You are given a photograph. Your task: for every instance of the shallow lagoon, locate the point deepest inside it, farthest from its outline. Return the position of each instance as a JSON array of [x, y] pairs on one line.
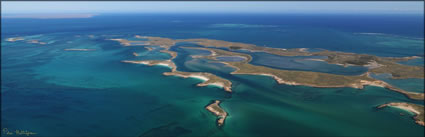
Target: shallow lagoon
[[303, 63], [411, 84], [414, 62], [231, 58]]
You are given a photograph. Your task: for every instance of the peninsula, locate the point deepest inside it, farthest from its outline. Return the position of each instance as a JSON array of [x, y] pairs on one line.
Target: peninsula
[[207, 78]]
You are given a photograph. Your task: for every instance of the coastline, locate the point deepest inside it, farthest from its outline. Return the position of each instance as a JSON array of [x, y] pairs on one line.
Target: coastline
[[207, 78], [135, 54], [79, 49], [149, 48], [14, 39], [357, 82], [218, 112], [33, 41], [360, 85], [417, 110], [200, 77], [216, 84], [305, 78], [210, 79], [164, 63]]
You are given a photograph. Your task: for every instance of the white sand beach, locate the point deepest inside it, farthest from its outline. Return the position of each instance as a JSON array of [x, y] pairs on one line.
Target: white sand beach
[[216, 84], [203, 78], [164, 64]]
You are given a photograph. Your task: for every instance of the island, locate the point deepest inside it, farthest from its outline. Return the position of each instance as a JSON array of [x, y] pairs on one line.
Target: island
[[306, 78], [135, 54], [149, 48], [36, 42], [33, 41], [376, 64], [417, 110], [217, 111], [14, 39], [79, 49], [219, 48], [384, 64]]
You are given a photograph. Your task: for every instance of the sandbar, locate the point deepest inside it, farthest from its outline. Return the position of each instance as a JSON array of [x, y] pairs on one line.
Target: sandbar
[[79, 49]]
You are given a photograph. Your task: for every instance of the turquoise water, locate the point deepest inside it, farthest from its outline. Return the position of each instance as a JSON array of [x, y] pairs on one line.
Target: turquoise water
[[78, 97], [414, 62], [410, 84], [292, 110], [54, 92]]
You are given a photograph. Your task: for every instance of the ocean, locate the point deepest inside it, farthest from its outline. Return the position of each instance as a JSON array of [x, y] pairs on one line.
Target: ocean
[[53, 92]]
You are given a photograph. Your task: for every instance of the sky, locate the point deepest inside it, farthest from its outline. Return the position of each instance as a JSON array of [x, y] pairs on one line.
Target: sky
[[95, 7]]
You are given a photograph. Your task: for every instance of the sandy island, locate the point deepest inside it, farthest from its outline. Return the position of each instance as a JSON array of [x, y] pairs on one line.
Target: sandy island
[[135, 54], [199, 77], [317, 60], [149, 48], [28, 41], [217, 84], [36, 42], [14, 39], [79, 49], [217, 111]]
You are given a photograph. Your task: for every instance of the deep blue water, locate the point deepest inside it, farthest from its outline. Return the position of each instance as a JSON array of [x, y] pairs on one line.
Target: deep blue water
[[54, 92], [333, 32]]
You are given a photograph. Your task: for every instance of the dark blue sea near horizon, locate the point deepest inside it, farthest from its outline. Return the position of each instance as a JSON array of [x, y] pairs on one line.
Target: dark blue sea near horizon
[[53, 92]]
